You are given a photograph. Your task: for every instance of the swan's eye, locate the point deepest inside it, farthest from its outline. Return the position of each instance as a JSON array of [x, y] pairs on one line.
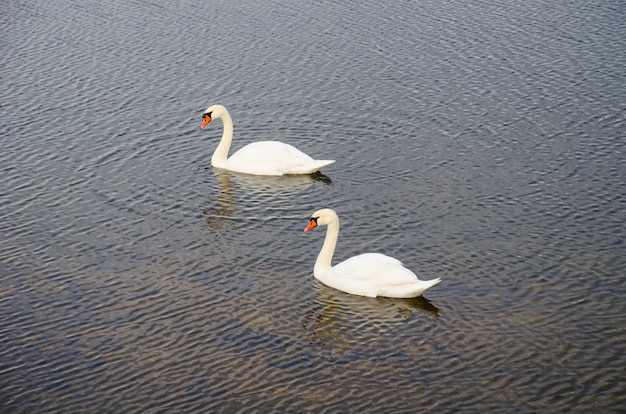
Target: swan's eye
[[208, 114], [314, 220]]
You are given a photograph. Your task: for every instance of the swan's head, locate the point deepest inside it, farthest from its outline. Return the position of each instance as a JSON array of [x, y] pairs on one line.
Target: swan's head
[[322, 217], [212, 112]]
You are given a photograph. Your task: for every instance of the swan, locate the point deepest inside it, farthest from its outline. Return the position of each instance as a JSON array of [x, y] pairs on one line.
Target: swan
[[368, 274], [258, 158]]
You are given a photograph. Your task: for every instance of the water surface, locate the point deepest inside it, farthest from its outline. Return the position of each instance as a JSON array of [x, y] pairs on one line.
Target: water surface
[[479, 142]]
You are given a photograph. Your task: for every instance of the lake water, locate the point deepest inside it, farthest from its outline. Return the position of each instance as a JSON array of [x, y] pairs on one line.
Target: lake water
[[483, 142]]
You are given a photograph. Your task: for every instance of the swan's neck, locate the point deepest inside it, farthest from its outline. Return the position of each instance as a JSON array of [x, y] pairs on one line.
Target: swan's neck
[[324, 260], [221, 152]]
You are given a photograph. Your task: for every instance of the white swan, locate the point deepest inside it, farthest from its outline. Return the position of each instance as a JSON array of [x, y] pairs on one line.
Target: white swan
[[258, 158], [368, 274]]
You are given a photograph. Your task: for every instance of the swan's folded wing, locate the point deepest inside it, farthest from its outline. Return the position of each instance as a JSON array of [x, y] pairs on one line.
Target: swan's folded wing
[[274, 158], [374, 268]]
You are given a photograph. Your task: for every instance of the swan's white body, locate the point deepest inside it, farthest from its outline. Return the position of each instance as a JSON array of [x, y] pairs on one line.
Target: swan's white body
[[259, 158], [368, 274]]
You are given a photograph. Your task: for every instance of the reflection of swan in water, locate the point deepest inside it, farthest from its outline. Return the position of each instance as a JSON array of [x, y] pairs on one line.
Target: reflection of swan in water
[[380, 309], [258, 158], [221, 207], [255, 190], [260, 184], [336, 314]]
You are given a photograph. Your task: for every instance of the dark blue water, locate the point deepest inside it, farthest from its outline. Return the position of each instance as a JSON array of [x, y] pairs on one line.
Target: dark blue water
[[480, 142]]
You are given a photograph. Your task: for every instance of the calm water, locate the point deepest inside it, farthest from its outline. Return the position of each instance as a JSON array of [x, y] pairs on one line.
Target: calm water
[[483, 142]]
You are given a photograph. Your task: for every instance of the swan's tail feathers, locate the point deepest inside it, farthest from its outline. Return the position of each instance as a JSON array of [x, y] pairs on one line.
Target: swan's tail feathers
[[409, 291], [311, 167], [319, 164], [421, 287], [427, 284]]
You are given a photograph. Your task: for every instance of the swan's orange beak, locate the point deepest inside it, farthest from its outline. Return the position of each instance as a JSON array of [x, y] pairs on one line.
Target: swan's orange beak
[[206, 118], [311, 226]]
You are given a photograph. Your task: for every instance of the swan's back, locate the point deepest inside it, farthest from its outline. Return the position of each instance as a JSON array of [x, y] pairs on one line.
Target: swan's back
[[274, 158], [369, 266], [375, 274]]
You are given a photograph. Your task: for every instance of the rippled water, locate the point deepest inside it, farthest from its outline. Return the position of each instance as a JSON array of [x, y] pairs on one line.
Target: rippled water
[[482, 142]]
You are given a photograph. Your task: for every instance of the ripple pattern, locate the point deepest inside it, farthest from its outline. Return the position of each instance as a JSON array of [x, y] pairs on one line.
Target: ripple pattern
[[481, 142]]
